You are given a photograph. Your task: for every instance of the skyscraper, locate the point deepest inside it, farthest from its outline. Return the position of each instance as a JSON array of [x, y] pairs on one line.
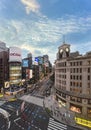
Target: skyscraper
[[4, 68]]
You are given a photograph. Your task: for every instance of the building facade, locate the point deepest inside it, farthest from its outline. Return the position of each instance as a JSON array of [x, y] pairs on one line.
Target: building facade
[[73, 80], [4, 67], [15, 66], [27, 67]]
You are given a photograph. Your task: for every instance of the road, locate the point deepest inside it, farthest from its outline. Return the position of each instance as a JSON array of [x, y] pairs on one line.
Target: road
[[32, 117]]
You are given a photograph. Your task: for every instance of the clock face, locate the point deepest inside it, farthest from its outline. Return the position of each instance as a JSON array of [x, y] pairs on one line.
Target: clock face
[[67, 49], [61, 50]]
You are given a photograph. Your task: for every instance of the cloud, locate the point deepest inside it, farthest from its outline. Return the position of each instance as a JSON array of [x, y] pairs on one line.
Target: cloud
[[44, 34], [26, 46], [31, 6]]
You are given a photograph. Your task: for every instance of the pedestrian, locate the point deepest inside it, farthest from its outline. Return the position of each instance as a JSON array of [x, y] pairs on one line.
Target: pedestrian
[[29, 127]]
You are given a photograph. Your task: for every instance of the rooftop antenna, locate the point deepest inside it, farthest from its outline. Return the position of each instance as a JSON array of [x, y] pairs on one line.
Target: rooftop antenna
[[63, 39]]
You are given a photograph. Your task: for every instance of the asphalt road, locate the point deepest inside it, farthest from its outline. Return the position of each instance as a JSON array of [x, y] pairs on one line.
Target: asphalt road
[[3, 122], [32, 118]]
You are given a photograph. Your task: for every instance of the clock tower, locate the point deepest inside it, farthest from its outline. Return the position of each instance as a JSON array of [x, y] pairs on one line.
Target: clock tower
[[64, 51]]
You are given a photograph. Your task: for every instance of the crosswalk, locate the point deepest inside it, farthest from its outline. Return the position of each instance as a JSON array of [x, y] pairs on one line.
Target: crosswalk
[[54, 125]]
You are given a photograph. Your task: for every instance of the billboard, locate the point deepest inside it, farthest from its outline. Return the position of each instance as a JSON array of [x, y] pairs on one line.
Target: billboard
[[29, 74], [6, 84], [83, 122], [15, 54], [36, 60], [24, 63]]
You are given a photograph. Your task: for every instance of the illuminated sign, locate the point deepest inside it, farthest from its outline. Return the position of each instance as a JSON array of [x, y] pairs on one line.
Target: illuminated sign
[[83, 122], [6, 84], [39, 60], [15, 54], [25, 63], [36, 59]]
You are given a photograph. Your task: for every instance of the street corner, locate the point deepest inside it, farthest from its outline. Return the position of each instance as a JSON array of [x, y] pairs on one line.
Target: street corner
[[1, 95]]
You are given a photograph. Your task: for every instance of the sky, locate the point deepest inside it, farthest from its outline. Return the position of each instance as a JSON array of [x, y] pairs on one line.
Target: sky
[[38, 26]]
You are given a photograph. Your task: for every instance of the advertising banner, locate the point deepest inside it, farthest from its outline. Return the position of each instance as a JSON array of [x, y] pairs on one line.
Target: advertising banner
[[25, 63], [15, 54], [6, 84]]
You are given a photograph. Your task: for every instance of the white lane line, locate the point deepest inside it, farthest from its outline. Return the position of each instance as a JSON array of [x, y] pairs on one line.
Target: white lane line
[[17, 119], [55, 124], [52, 128]]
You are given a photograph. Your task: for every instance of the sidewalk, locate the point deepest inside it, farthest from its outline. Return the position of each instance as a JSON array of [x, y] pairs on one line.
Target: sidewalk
[[60, 113], [7, 97]]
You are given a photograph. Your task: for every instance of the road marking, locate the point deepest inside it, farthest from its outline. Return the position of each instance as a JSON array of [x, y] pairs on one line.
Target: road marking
[[17, 119], [9, 124], [54, 125]]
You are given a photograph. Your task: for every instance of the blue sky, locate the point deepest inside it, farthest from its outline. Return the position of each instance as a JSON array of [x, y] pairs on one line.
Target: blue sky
[[38, 26]]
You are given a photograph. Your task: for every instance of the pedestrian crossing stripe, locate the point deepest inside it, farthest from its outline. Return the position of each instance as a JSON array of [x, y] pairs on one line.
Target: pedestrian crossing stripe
[[52, 120], [58, 123], [57, 126], [54, 125]]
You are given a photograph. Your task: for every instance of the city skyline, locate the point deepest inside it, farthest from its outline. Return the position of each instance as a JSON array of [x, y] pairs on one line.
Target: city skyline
[[38, 26]]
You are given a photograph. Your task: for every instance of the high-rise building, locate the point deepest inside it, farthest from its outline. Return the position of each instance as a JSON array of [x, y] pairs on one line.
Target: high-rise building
[[15, 68], [4, 68], [46, 58], [27, 67], [73, 80], [29, 57]]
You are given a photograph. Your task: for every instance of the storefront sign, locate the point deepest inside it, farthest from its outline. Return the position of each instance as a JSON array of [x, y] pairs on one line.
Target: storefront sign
[[83, 122]]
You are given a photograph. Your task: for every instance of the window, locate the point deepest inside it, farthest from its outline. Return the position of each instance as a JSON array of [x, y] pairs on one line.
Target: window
[[88, 62], [89, 101], [80, 77], [72, 98], [71, 76], [71, 70], [88, 77], [70, 83], [74, 70], [79, 100], [89, 112], [77, 70], [88, 70], [80, 84], [70, 63], [80, 70], [88, 85], [63, 95], [80, 62]]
